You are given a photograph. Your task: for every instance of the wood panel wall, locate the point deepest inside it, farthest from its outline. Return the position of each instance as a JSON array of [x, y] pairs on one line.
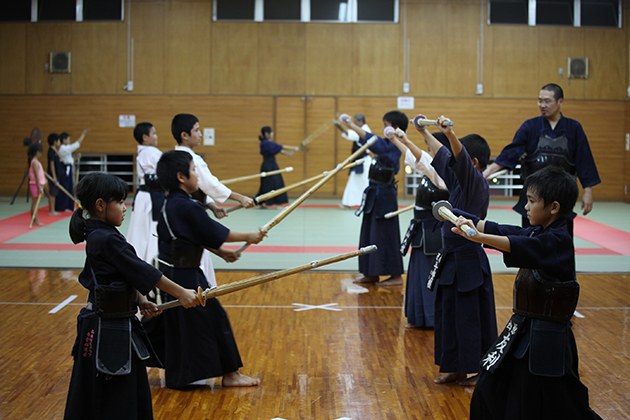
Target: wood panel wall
[[179, 50], [237, 120]]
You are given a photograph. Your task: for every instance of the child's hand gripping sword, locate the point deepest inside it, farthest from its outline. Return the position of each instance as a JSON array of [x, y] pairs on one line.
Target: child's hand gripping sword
[[443, 210]]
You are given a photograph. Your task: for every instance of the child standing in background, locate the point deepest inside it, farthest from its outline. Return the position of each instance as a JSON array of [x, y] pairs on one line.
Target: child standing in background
[[269, 149], [147, 203], [54, 169], [36, 178], [187, 133], [65, 176], [380, 198]]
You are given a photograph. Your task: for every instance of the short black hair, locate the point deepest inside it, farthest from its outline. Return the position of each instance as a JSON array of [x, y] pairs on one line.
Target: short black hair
[[397, 119], [52, 138], [553, 183], [63, 136], [477, 147], [441, 137], [360, 118], [557, 90], [93, 186], [182, 123], [170, 164], [142, 129]]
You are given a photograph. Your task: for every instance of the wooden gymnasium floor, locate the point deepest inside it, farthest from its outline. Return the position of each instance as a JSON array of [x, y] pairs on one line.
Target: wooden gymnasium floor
[[322, 347]]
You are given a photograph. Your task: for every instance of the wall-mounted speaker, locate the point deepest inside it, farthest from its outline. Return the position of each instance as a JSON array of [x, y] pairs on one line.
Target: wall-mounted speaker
[[577, 68], [60, 62]]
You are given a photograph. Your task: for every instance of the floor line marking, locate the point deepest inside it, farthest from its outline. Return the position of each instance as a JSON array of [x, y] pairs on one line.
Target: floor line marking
[[62, 304], [588, 308], [326, 307]]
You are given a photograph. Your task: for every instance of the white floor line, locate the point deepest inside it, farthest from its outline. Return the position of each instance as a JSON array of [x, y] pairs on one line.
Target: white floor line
[[62, 304], [588, 308]]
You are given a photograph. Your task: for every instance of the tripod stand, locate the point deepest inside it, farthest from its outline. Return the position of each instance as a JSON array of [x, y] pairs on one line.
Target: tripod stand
[[20, 187]]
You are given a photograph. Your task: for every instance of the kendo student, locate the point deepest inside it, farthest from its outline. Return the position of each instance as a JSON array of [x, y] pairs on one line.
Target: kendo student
[[380, 198], [531, 371], [550, 139], [187, 133], [147, 203], [465, 314], [424, 234], [109, 377], [358, 179], [199, 344]]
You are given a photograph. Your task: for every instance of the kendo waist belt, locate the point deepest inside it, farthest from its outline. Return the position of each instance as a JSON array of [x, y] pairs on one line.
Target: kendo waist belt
[[151, 183], [381, 175], [115, 300], [537, 295], [184, 255]]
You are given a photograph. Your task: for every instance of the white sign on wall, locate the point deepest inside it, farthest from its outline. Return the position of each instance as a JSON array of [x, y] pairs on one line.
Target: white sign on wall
[[406, 102], [126, 121], [208, 136]]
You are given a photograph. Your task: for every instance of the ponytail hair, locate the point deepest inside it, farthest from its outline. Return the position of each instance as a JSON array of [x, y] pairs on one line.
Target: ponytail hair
[[92, 187], [263, 132], [77, 226]]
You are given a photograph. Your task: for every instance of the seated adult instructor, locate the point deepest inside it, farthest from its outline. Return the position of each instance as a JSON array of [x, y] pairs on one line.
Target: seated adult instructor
[[550, 139]]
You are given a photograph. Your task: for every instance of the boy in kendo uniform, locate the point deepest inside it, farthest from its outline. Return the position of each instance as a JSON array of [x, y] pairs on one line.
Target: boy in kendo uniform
[[424, 234], [465, 313], [531, 371], [380, 198], [149, 198], [199, 344]]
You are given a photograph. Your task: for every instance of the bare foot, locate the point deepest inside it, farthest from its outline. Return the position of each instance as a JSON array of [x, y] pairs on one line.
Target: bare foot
[[38, 223], [472, 381], [449, 377], [54, 213], [392, 281], [411, 327], [343, 206], [366, 280], [238, 379]]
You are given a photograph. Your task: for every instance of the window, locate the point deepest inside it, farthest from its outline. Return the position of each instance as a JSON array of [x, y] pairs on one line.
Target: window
[[376, 11], [307, 10], [15, 11], [102, 10], [282, 10], [601, 13], [60, 10], [234, 9], [330, 10], [56, 10], [554, 12], [509, 11]]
